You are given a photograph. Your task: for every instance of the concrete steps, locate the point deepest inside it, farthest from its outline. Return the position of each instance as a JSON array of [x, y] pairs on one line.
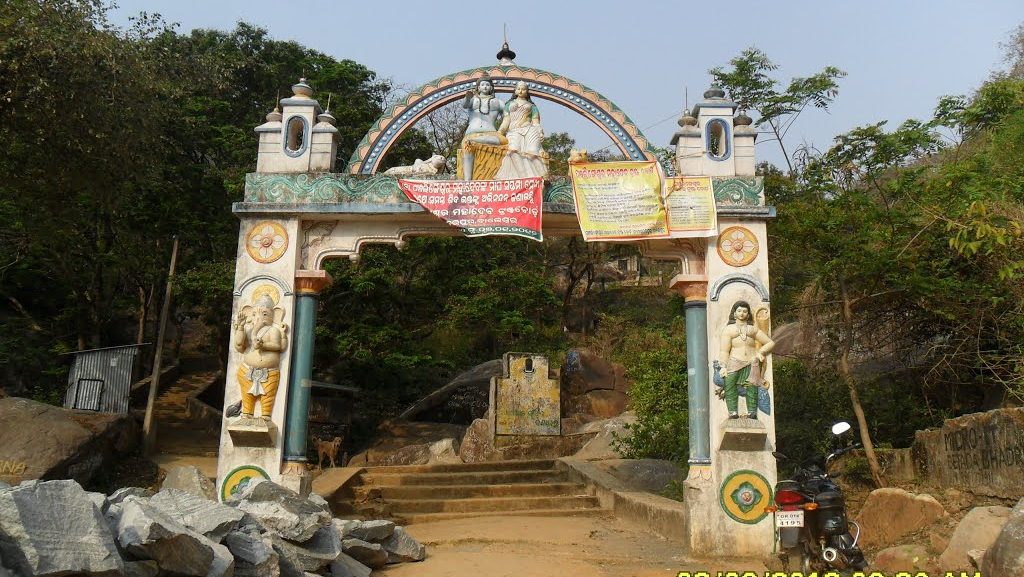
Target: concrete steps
[[421, 493], [492, 504], [429, 517], [405, 492], [176, 431]]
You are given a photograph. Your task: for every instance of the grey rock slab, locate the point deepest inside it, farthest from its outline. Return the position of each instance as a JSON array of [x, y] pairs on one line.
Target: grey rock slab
[[98, 499], [282, 510], [402, 548], [141, 569], [207, 517], [344, 527], [223, 564], [148, 533], [978, 530], [345, 566], [319, 502], [190, 480], [125, 492], [1006, 555], [316, 553], [53, 528], [288, 559], [372, 555], [254, 555], [373, 531]]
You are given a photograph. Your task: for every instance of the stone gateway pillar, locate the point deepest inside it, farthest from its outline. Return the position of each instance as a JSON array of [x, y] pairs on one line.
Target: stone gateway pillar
[[728, 337]]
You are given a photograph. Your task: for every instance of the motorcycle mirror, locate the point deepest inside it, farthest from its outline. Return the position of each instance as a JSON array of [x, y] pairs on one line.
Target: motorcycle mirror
[[840, 428]]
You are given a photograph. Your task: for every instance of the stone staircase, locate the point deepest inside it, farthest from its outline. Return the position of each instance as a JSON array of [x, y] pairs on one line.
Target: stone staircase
[[422, 493], [177, 430]]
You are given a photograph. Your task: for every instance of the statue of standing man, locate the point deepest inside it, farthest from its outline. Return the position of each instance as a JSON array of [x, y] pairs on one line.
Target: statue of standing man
[[742, 353], [485, 114]]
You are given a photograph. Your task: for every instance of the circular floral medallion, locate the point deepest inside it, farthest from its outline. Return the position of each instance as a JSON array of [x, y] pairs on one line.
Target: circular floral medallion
[[737, 246], [266, 241], [237, 479], [744, 495]]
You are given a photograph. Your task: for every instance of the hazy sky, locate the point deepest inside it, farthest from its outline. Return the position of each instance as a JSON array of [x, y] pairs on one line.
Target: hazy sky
[[900, 56]]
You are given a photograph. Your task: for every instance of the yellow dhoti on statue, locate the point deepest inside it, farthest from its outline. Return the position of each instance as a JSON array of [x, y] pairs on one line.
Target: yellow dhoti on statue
[[486, 159], [262, 383]]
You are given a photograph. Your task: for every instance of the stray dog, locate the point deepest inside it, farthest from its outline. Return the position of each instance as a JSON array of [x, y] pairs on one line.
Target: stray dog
[[327, 449]]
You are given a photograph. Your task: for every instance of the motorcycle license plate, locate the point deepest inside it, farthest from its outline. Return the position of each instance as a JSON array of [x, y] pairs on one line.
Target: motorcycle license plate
[[789, 519]]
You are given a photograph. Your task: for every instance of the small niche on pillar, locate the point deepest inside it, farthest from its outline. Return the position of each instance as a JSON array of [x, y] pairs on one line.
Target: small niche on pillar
[[295, 136], [252, 432], [718, 139]]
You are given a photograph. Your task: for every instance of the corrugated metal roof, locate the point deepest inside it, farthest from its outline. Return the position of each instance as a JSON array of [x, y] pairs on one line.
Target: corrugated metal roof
[[105, 349]]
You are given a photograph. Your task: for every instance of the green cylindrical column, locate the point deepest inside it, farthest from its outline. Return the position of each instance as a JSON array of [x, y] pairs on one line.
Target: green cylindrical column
[[307, 288], [694, 291], [698, 382]]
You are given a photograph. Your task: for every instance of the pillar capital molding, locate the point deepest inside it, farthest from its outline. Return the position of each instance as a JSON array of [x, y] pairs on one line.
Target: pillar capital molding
[[692, 287], [311, 281]]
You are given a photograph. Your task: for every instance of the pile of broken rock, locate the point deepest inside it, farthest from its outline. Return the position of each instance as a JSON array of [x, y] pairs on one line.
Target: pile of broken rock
[[58, 528]]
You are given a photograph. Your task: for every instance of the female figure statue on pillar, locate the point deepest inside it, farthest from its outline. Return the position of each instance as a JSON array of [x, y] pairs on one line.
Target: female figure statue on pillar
[[525, 156], [742, 353]]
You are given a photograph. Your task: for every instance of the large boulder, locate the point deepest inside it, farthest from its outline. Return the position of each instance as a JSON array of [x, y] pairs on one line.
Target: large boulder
[[436, 453], [584, 371], [146, 532], [1006, 555], [978, 530], [890, 513], [316, 553], [600, 403], [210, 518], [372, 555], [38, 522], [463, 399], [281, 510], [345, 566], [254, 555], [608, 430], [39, 441], [901, 559], [477, 444], [190, 480], [404, 443], [402, 548], [374, 531]]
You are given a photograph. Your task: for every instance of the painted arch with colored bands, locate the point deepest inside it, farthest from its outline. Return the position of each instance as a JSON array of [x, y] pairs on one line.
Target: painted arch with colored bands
[[587, 102]]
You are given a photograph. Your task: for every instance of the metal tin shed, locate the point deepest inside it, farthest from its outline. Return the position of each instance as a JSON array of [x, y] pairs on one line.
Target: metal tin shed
[[101, 379]]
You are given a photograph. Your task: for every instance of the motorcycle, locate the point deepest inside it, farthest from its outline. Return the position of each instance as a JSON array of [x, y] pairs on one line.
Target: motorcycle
[[813, 533]]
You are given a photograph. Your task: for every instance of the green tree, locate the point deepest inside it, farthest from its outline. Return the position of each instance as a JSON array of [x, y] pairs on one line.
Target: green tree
[[750, 84]]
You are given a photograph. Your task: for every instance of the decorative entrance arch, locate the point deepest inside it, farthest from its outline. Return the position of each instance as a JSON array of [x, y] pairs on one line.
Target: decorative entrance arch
[[298, 212], [543, 84]]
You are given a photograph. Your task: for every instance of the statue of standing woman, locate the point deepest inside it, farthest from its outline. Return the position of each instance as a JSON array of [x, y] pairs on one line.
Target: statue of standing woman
[[485, 113], [742, 353]]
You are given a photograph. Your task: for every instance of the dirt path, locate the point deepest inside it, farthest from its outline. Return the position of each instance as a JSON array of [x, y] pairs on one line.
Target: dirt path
[[510, 546]]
